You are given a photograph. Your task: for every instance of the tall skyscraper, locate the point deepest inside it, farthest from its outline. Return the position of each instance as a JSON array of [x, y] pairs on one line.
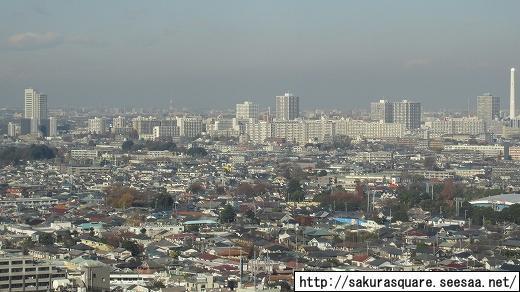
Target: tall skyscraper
[[512, 106], [53, 127], [35, 108], [382, 111], [287, 107], [247, 110], [488, 107], [407, 113], [35, 104]]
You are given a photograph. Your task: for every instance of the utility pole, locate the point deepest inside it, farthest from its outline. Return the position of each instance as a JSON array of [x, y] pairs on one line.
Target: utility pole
[[254, 267]]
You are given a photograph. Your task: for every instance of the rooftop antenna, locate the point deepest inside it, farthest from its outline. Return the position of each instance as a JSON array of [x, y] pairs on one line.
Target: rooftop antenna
[[469, 108]]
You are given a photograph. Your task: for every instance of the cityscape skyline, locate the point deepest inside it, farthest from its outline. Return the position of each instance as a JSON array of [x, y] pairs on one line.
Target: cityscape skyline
[[270, 146], [236, 51]]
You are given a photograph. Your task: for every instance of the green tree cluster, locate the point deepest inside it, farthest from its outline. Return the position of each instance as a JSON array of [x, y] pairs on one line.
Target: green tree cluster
[[32, 152]]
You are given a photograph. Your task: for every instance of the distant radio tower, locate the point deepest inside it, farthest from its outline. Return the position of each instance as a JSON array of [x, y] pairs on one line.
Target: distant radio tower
[[512, 109], [171, 105]]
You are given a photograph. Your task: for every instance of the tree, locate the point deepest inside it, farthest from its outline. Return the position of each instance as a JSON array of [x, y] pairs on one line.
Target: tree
[[196, 188], [510, 214], [232, 284], [163, 202], [295, 191], [322, 172], [34, 152], [260, 188], [339, 199], [228, 214], [400, 214], [197, 152], [131, 246], [160, 146], [429, 162], [245, 189], [123, 197], [250, 215], [156, 284], [221, 190], [127, 145], [46, 239], [448, 191], [291, 171]]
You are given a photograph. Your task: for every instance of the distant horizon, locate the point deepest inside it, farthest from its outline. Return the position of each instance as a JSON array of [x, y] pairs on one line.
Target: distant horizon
[[503, 106], [211, 55]]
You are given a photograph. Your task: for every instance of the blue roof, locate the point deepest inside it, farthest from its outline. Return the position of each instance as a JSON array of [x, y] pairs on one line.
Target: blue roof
[[352, 221], [95, 225], [195, 222]]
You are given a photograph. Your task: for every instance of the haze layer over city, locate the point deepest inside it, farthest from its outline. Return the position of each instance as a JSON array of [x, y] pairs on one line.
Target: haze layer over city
[[258, 145], [337, 55]]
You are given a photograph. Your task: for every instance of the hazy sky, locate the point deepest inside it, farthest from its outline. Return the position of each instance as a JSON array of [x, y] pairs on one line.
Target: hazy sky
[[212, 54]]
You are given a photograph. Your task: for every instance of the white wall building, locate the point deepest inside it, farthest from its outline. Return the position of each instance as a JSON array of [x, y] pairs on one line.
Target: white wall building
[[246, 110], [190, 126], [287, 107], [97, 125]]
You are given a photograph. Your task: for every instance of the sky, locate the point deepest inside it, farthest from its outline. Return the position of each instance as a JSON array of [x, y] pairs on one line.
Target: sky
[[212, 54]]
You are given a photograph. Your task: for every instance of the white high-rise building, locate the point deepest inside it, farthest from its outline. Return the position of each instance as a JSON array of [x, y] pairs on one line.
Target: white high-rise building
[[53, 127], [35, 104], [512, 106], [13, 129], [119, 122], [488, 107], [287, 107], [407, 113], [97, 125], [247, 110], [189, 126], [382, 111], [35, 108]]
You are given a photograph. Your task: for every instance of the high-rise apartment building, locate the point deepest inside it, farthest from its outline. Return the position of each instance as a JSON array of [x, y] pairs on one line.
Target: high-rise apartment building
[[119, 122], [488, 107], [97, 125], [13, 129], [247, 110], [407, 113], [189, 126], [53, 127], [382, 111], [144, 126], [35, 108], [287, 107], [35, 104]]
